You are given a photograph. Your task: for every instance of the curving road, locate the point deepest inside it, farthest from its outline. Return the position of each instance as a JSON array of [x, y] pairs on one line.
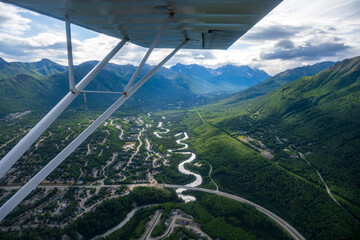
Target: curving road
[[123, 222], [285, 225]]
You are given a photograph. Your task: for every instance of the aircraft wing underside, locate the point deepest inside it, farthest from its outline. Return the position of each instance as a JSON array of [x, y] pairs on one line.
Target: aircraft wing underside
[[208, 24]]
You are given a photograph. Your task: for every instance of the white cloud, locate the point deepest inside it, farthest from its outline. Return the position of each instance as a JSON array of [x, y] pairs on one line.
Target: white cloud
[[306, 24], [43, 45], [11, 20]]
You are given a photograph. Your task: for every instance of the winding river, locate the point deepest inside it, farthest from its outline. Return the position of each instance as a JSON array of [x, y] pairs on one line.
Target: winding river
[[158, 133], [198, 178]]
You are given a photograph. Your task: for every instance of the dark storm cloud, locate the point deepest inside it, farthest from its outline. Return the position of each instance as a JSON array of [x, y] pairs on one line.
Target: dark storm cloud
[[307, 52], [273, 33]]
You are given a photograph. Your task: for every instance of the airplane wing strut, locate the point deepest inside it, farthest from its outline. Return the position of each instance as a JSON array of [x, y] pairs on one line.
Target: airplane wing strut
[[192, 24], [7, 162]]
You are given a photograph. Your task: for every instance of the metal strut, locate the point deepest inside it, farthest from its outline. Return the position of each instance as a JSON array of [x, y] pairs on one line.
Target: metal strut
[[151, 48], [107, 92], [40, 176], [69, 54], [11, 157]]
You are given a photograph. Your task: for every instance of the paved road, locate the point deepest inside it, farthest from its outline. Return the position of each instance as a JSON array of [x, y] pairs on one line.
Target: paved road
[[173, 224], [148, 232], [169, 230], [120, 225], [285, 225], [64, 186]]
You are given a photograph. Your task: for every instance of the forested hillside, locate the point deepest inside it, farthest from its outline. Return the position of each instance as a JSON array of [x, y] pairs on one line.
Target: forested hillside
[[278, 80], [282, 148]]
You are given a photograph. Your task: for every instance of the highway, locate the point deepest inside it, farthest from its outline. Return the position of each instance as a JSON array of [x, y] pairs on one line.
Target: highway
[[285, 225]]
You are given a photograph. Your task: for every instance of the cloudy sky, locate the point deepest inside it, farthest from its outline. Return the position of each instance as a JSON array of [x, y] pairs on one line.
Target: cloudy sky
[[296, 33]]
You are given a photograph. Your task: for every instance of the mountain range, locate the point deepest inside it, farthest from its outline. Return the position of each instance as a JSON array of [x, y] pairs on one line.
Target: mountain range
[[228, 78], [38, 86], [43, 68]]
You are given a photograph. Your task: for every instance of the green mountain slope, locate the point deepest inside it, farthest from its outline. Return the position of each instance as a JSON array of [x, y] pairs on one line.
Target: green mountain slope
[[39, 86], [317, 118], [45, 67], [41, 69], [325, 109], [23, 92], [322, 110], [278, 80]]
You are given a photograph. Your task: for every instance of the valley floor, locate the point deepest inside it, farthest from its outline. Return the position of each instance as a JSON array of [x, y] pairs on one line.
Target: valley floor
[[127, 153], [177, 150]]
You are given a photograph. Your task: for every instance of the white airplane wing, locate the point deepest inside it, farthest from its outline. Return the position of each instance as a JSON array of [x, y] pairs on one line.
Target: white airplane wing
[[209, 24]]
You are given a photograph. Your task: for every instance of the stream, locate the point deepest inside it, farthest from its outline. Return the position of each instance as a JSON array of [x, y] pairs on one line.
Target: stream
[[198, 178]]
